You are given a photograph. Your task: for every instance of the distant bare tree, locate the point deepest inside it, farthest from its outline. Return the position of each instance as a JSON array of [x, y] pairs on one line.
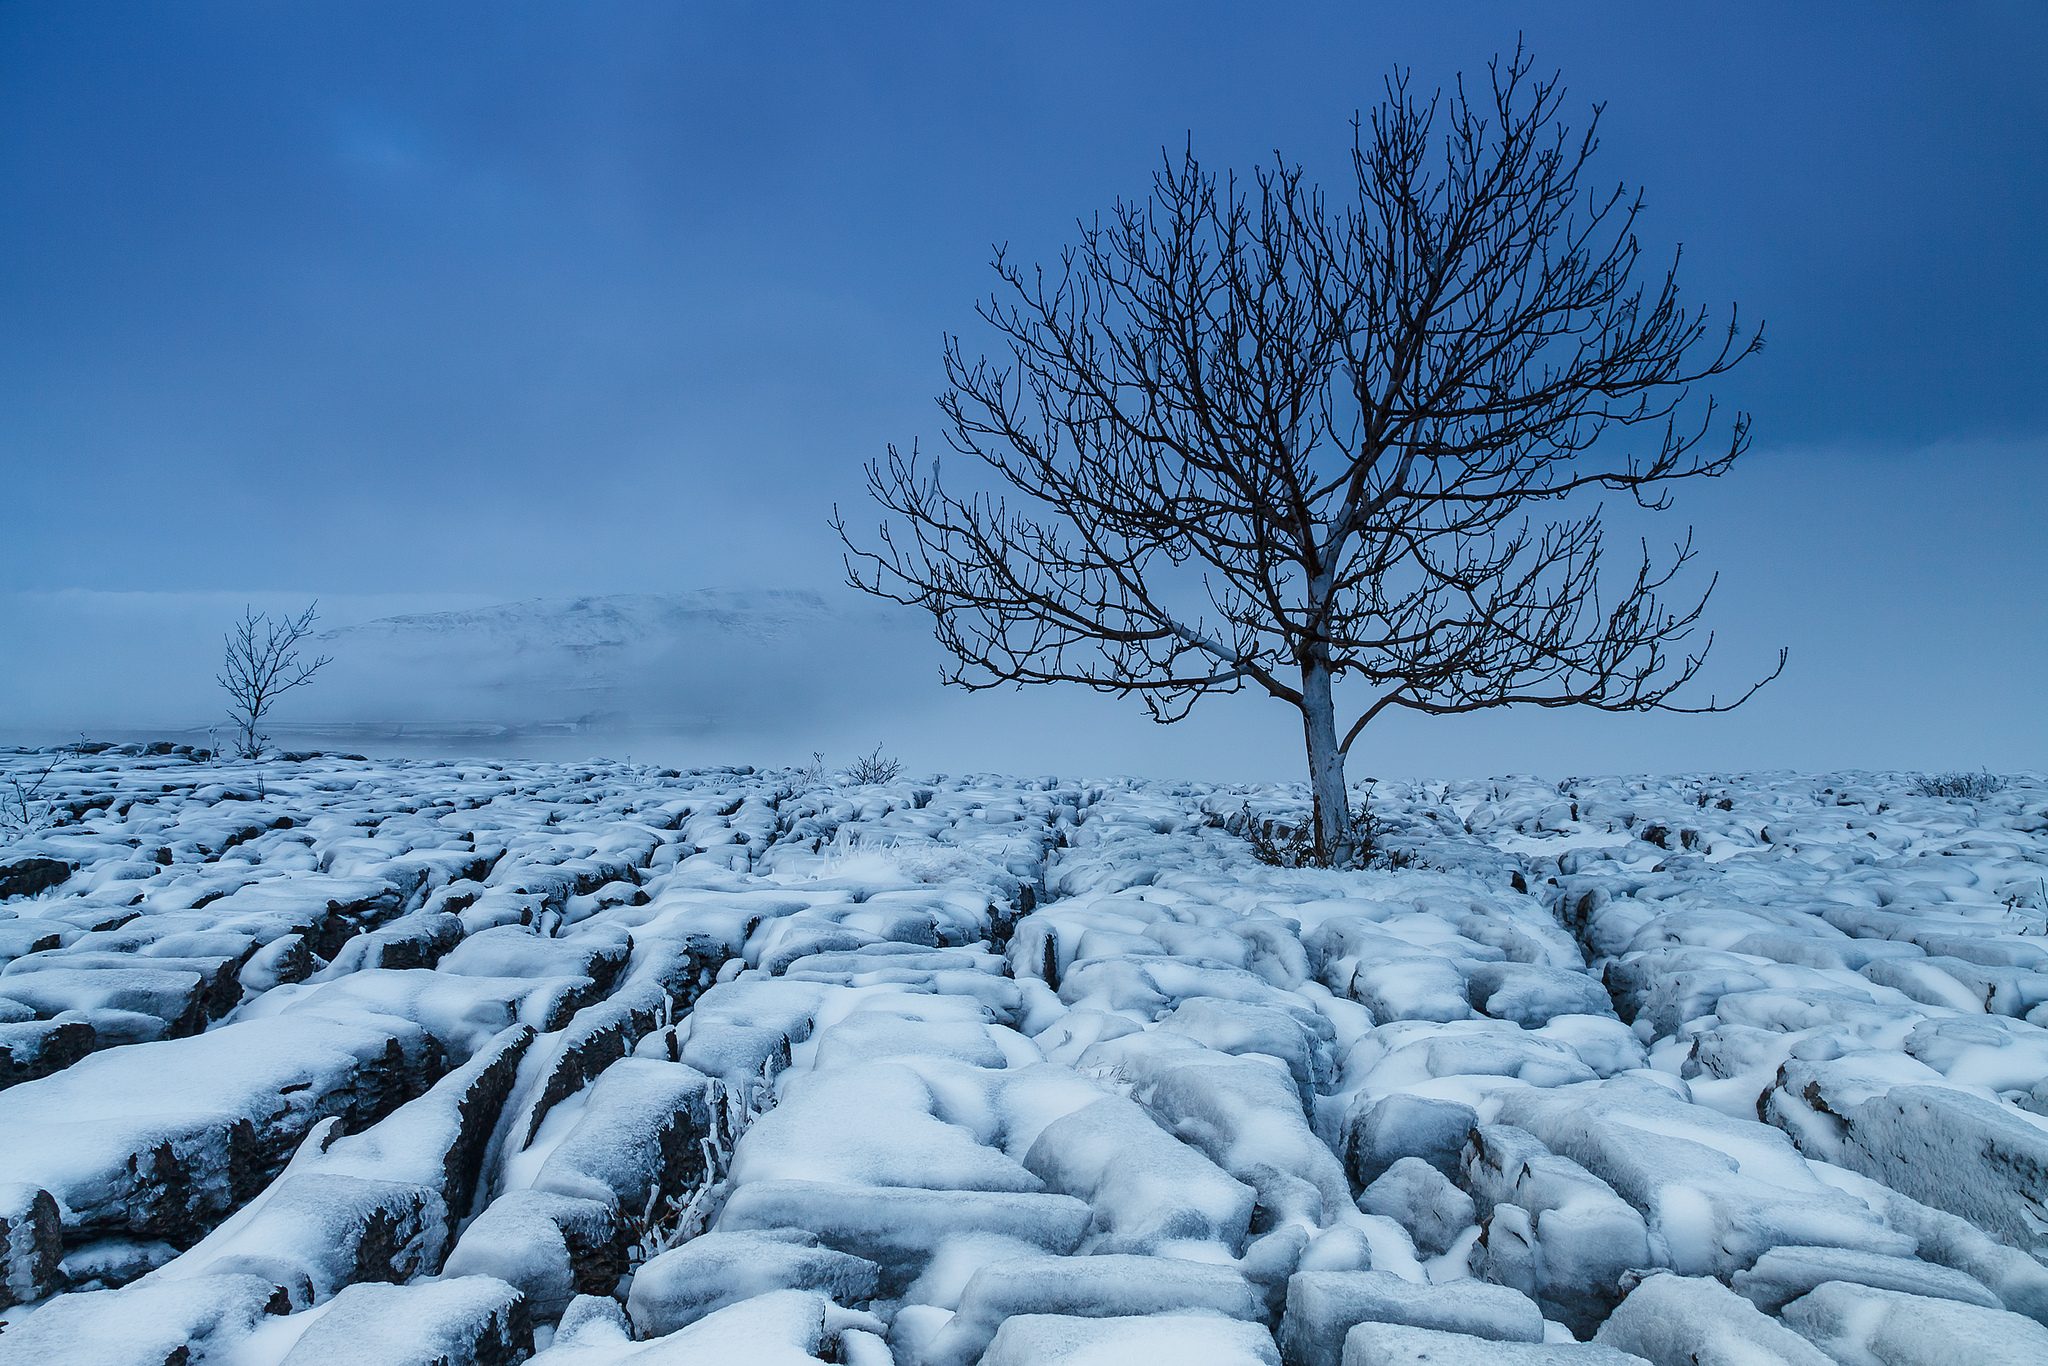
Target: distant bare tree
[[262, 665], [1266, 440]]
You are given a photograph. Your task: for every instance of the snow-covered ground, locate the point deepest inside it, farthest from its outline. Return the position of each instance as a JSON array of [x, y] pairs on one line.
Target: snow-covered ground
[[409, 1062]]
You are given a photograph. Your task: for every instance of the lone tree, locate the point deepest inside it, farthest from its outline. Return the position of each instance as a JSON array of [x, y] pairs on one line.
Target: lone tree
[[262, 665], [1264, 439]]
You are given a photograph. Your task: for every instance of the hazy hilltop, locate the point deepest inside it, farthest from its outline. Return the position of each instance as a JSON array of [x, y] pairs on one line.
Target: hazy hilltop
[[585, 649], [697, 662], [602, 635]]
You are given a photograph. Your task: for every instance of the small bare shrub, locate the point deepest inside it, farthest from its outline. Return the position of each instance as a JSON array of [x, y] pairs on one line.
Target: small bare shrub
[[24, 811], [873, 768], [1969, 787], [1284, 846]]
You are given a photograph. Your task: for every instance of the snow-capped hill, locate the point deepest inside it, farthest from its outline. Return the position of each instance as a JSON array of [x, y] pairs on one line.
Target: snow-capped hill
[[614, 621], [587, 641], [792, 668], [697, 661]]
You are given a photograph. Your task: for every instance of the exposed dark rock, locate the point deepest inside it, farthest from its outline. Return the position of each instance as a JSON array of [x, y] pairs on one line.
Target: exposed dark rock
[[551, 1247], [638, 1137], [36, 1049], [32, 1242], [162, 1140], [27, 876]]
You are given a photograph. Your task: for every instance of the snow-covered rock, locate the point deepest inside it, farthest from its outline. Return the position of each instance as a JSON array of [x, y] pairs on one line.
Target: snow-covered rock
[[327, 1057]]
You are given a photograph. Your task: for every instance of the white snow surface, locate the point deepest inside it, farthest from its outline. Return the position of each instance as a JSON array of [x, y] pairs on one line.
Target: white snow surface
[[1014, 1070]]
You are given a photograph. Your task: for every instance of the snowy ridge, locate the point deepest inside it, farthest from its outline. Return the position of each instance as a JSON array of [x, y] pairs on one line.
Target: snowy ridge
[[593, 635], [348, 1061]]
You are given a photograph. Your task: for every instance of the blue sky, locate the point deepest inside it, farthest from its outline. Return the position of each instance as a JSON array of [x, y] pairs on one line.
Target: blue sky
[[495, 301]]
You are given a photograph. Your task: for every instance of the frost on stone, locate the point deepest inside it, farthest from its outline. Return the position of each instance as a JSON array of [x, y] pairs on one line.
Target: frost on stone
[[455, 1061], [1860, 1322], [1324, 1306]]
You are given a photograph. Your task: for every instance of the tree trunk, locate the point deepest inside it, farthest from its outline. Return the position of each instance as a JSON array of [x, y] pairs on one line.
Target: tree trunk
[[1325, 764]]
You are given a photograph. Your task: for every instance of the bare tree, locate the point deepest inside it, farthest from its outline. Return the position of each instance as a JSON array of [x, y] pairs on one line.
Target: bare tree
[[1263, 440], [262, 665]]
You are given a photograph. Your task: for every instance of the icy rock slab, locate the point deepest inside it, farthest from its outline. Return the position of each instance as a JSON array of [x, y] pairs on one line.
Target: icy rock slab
[[1533, 996], [107, 1263], [783, 941], [874, 1124], [518, 951], [1422, 1200], [164, 1139], [1785, 1273], [143, 1325], [411, 941], [1944, 1147], [1243, 1114], [438, 1140], [1861, 1325], [901, 1229], [1184, 1339], [466, 1321], [1696, 1321], [637, 1138], [1390, 1344], [1378, 1133], [592, 1327], [874, 1036], [283, 961], [1631, 976], [380, 1205], [1324, 1306], [31, 1241], [2019, 1281], [946, 973], [2005, 1055], [1147, 1187], [1152, 985], [176, 997], [680, 1286], [1102, 1287], [219, 985], [737, 1053], [894, 962], [1343, 1246], [549, 1247], [781, 1328], [1554, 1230], [1527, 1057], [317, 1232], [1418, 988], [1716, 1192], [326, 909], [1241, 1027], [598, 1036], [1924, 981], [738, 1029], [462, 1013]]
